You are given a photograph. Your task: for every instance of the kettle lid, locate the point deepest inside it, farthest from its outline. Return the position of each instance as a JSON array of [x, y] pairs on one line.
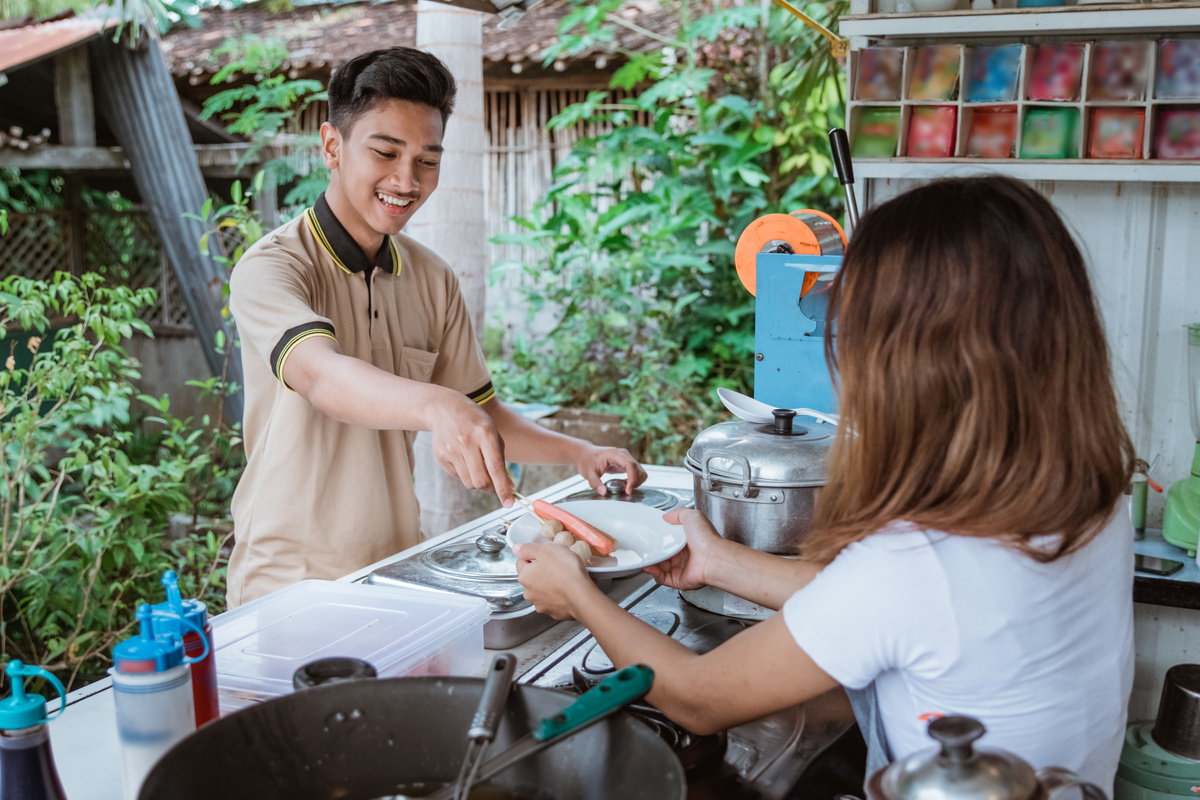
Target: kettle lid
[[957, 770]]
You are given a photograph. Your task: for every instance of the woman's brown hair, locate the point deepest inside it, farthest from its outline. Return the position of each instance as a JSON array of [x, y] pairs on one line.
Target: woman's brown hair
[[976, 392]]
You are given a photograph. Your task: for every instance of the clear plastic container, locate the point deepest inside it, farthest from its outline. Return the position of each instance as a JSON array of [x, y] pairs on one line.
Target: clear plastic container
[[260, 645]]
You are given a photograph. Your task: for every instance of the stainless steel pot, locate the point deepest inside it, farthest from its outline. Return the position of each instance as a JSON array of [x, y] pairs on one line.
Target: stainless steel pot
[[959, 771], [366, 739], [758, 483]]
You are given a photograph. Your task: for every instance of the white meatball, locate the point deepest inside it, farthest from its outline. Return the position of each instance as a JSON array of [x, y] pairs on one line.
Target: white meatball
[[550, 527], [564, 538], [582, 550]]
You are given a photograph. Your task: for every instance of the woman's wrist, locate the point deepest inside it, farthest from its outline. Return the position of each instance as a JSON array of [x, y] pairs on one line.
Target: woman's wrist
[[585, 598], [720, 562]]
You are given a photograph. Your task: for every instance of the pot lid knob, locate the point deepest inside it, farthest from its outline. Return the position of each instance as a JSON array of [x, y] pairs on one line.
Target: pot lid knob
[[783, 421], [956, 735], [492, 541], [615, 486]]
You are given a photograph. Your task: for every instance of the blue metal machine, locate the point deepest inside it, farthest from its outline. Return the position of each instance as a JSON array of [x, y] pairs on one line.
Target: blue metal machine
[[790, 370]]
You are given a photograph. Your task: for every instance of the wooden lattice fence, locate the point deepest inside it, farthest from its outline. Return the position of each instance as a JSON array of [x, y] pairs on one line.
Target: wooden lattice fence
[[121, 245], [37, 245], [124, 247]]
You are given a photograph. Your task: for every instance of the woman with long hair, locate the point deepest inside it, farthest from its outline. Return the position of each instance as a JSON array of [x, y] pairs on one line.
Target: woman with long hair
[[970, 554]]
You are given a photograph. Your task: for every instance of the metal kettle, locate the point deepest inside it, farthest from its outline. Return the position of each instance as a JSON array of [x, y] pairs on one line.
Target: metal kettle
[[960, 771]]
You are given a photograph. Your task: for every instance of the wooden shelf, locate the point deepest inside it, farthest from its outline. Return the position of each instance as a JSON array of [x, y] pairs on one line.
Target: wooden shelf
[[1082, 20], [1031, 169]]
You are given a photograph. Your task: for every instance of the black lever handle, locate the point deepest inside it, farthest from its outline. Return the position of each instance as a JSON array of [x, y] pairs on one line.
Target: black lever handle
[[839, 143]]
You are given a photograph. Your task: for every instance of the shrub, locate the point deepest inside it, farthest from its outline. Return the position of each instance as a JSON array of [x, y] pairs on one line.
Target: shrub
[[82, 524]]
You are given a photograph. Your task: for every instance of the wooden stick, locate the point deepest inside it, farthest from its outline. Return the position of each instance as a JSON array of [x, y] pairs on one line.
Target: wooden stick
[[523, 500]]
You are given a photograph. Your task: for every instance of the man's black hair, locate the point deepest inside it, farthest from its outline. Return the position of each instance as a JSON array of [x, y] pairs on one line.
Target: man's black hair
[[396, 73]]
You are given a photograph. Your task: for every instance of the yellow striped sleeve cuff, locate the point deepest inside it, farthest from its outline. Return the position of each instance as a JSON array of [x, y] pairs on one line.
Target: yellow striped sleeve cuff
[[481, 396], [287, 343]]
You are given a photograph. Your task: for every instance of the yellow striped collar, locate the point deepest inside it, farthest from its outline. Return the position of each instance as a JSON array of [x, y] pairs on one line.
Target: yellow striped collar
[[342, 248]]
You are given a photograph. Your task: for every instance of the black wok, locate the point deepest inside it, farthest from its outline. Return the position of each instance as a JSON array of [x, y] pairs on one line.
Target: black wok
[[373, 738]]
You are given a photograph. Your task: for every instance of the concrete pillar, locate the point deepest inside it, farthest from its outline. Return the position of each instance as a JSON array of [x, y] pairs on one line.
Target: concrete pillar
[[452, 221]]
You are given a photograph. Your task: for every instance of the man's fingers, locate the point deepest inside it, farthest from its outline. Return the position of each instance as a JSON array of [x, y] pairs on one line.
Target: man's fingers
[[477, 471], [592, 474], [452, 468], [502, 481]]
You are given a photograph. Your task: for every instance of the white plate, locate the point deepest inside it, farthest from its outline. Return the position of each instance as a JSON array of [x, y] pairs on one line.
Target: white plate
[[642, 536]]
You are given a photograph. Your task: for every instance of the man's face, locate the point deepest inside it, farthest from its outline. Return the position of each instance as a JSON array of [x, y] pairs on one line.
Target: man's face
[[388, 163]]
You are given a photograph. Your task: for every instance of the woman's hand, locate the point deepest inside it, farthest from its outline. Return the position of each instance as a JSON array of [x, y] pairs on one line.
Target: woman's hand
[[595, 461], [691, 567], [554, 579]]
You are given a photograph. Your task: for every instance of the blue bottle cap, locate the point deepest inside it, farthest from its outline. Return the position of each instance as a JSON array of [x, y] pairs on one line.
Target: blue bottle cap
[[147, 652], [194, 611], [22, 710]]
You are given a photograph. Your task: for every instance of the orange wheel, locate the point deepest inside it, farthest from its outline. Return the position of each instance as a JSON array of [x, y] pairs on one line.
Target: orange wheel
[[806, 232]]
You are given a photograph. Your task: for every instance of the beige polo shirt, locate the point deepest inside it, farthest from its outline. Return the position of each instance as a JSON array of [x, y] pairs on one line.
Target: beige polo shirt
[[320, 498]]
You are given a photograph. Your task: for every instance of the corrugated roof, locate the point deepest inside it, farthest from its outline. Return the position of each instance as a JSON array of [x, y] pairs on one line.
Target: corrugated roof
[[327, 35], [22, 45]]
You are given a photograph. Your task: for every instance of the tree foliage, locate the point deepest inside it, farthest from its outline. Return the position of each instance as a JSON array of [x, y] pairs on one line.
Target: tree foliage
[[633, 244]]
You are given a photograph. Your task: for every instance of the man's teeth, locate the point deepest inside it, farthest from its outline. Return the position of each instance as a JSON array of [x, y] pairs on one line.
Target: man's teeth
[[392, 201]]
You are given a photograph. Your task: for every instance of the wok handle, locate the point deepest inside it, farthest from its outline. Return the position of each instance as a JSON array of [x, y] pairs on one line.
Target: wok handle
[[612, 693], [495, 695]]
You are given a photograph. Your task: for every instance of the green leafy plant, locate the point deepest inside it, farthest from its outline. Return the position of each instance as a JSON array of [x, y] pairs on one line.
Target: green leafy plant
[[266, 109], [81, 523], [634, 241], [238, 218]]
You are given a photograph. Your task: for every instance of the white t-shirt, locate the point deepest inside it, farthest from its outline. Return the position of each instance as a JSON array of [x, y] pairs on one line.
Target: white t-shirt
[[1041, 654]]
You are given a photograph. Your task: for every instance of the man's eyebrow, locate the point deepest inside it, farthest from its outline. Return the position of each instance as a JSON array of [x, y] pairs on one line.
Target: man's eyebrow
[[432, 148]]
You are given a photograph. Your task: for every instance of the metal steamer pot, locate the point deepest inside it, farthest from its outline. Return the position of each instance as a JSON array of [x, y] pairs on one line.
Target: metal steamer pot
[[758, 483], [370, 738], [959, 771]]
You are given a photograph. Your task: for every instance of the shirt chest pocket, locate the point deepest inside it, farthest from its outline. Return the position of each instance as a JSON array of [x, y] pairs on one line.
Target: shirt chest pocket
[[416, 365]]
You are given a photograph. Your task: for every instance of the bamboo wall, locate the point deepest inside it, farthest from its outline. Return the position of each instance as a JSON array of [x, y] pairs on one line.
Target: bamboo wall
[[522, 153]]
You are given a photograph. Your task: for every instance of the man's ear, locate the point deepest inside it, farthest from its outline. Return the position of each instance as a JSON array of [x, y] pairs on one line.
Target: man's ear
[[331, 145]]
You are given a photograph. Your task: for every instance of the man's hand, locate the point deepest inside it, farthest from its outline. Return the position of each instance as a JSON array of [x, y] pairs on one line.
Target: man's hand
[[468, 446], [554, 579], [688, 569], [596, 461]]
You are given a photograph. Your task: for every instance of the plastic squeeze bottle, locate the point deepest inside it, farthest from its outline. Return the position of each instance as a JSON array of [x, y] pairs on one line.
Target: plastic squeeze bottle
[[204, 671], [26, 763], [152, 691]]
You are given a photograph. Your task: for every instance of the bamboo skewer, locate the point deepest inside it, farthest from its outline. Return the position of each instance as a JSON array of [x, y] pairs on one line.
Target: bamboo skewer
[[523, 500]]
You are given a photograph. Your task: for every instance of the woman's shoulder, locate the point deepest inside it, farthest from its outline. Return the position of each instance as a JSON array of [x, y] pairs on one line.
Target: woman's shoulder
[[896, 538]]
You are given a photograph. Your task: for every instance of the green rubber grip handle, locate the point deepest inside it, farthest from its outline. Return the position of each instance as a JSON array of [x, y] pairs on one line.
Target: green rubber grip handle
[[615, 691]]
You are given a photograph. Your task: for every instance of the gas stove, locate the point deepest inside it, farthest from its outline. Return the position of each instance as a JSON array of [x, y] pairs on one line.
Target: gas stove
[[769, 759], [474, 560], [762, 759]]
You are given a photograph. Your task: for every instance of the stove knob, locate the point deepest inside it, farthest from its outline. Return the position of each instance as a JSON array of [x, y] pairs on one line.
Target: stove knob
[[492, 541]]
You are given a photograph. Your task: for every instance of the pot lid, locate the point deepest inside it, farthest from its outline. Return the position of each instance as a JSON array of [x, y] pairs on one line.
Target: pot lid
[[484, 558], [957, 770], [781, 454], [616, 492]]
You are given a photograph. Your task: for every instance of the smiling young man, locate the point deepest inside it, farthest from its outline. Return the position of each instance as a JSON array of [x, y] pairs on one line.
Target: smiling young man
[[354, 337]]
